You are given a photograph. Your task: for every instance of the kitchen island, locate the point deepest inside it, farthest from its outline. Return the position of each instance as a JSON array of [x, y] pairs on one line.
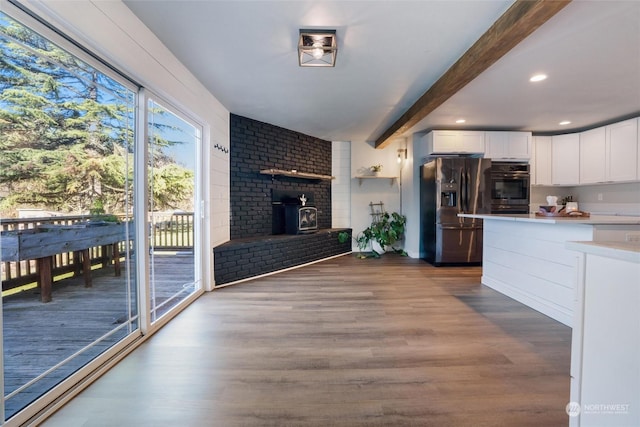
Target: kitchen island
[[605, 343], [525, 256]]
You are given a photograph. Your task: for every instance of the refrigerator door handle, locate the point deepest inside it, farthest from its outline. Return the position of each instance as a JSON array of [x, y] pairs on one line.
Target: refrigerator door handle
[[463, 184], [468, 191], [463, 190]]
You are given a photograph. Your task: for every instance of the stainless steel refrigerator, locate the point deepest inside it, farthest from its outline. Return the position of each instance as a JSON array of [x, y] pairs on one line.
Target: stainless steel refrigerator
[[449, 186]]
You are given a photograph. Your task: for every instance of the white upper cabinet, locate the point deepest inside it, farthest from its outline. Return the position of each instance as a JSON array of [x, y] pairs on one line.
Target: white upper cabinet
[[592, 156], [565, 159], [454, 142], [606, 154], [541, 161], [622, 151], [507, 145], [609, 153]]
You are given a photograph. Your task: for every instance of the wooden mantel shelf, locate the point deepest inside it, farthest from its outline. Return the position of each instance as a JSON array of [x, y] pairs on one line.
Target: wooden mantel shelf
[[391, 179], [296, 174]]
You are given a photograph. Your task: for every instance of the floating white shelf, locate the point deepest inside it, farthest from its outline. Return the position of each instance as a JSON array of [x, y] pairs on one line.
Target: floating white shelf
[[296, 174], [391, 179]]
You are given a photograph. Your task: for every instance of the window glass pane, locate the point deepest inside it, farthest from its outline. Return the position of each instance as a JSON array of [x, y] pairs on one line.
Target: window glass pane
[[172, 148], [66, 213]]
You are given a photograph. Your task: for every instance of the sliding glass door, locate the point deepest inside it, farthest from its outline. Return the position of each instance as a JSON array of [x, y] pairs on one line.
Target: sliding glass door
[[69, 285], [174, 217], [100, 216]]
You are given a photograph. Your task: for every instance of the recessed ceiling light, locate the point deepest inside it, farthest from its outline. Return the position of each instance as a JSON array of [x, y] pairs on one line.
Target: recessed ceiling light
[[538, 77], [460, 121], [564, 123]]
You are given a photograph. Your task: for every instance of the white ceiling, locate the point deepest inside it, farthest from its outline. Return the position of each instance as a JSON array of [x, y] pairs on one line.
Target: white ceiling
[[391, 52]]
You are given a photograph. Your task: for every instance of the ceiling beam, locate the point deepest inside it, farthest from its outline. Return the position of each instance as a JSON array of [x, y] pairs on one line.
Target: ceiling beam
[[515, 25]]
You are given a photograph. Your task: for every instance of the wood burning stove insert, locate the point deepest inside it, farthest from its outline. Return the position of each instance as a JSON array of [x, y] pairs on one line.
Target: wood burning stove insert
[[293, 212]]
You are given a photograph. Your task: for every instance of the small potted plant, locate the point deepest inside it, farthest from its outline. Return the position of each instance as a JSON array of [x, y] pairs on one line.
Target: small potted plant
[[375, 169], [384, 233]]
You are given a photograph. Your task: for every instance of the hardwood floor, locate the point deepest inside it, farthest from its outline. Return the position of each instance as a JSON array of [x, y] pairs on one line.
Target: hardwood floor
[[345, 342]]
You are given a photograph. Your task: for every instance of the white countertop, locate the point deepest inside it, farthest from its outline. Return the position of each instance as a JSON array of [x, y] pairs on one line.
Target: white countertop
[[592, 220], [626, 251]]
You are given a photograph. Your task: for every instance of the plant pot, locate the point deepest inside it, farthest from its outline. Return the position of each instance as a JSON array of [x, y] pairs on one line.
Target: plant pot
[[375, 246]]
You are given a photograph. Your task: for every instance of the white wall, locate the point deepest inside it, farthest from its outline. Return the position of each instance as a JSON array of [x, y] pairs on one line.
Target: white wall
[[618, 199], [539, 194], [110, 30], [341, 185], [416, 151], [364, 155], [402, 197]]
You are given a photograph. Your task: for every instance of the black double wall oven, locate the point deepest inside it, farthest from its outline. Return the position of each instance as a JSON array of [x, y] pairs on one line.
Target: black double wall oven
[[509, 184]]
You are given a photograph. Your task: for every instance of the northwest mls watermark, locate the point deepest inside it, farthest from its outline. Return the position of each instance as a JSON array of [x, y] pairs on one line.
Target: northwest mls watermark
[[574, 408]]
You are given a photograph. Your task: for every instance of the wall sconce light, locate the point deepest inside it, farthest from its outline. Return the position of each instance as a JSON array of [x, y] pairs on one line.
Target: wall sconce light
[[402, 154], [317, 48]]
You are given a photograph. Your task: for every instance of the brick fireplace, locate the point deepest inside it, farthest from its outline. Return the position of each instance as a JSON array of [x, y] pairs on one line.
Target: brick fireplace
[[256, 146], [258, 244]]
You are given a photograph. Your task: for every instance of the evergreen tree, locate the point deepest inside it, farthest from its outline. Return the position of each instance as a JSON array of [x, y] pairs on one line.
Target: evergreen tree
[[66, 133]]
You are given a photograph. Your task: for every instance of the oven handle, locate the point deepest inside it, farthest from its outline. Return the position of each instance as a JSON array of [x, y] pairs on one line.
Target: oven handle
[[511, 175]]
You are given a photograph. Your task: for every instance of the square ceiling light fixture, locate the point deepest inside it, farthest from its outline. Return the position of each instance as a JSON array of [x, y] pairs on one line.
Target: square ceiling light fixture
[[317, 48]]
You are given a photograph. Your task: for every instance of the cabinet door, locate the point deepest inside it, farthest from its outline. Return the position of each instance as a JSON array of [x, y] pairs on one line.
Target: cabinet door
[[495, 145], [565, 159], [519, 145], [507, 145], [458, 141], [622, 151], [542, 160], [592, 156]]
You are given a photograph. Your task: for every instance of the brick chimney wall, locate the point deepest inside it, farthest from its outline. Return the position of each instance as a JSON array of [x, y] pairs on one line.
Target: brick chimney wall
[[256, 146]]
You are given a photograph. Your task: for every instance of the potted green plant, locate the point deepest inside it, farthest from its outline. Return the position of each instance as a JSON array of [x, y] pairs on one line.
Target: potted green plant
[[388, 230], [375, 169]]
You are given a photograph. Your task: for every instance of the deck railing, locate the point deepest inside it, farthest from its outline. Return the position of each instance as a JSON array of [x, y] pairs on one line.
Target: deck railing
[[168, 231]]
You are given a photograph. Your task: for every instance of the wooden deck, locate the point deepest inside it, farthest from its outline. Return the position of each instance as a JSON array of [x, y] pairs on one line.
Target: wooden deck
[[40, 335]]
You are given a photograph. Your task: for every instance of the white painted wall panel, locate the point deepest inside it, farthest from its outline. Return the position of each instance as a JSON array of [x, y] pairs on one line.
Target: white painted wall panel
[[546, 297], [561, 275], [529, 261], [341, 185], [533, 247]]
